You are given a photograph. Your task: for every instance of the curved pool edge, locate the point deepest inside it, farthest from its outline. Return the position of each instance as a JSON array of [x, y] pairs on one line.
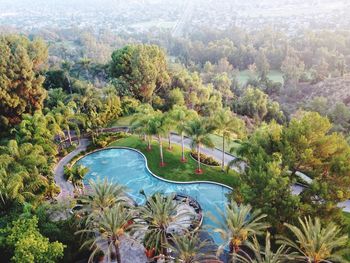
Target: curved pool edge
[[146, 165]]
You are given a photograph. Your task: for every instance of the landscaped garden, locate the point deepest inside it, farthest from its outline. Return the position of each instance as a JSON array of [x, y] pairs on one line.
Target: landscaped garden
[[66, 197], [174, 168]]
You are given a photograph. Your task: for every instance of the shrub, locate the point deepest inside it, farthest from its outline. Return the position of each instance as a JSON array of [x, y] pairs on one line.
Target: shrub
[[205, 159]]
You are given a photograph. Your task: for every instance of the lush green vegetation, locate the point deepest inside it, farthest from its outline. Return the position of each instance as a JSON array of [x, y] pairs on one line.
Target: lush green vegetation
[[46, 109]]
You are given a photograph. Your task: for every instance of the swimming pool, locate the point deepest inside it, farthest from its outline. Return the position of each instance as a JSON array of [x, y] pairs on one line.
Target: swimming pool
[[128, 167]]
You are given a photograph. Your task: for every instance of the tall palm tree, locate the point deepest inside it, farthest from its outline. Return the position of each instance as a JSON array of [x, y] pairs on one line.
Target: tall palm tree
[[240, 223], [102, 195], [190, 248], [226, 125], [199, 132], [159, 213], [264, 255], [65, 115], [157, 126], [315, 243], [169, 125], [107, 231], [139, 123], [181, 115]]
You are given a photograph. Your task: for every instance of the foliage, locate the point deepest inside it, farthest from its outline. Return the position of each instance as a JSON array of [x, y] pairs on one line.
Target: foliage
[[159, 213], [256, 104], [142, 67], [189, 248], [265, 183], [28, 245], [198, 130], [107, 232], [315, 243], [238, 225], [266, 254], [21, 88]]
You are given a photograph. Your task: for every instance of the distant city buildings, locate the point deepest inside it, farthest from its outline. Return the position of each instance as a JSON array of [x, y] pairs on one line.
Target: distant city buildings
[[179, 17]]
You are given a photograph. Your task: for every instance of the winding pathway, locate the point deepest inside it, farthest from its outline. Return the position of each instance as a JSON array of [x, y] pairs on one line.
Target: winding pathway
[[67, 188], [64, 185]]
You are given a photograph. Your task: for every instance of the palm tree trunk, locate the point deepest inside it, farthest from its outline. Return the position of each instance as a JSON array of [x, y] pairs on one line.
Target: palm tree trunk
[[223, 153], [69, 137], [199, 171], [117, 252], [161, 151], [149, 144], [183, 148], [169, 138]]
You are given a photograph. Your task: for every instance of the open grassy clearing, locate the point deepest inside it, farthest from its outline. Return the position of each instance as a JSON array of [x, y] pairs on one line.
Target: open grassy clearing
[[274, 75]]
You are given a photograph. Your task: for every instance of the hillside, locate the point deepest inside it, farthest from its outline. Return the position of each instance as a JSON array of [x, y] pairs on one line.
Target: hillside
[[334, 89]]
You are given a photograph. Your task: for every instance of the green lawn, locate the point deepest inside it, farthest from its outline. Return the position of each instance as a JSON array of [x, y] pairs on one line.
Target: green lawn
[[217, 140], [174, 169], [122, 121], [274, 75]]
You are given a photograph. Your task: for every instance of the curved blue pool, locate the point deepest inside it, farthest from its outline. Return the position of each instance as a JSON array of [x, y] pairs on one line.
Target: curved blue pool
[[128, 167]]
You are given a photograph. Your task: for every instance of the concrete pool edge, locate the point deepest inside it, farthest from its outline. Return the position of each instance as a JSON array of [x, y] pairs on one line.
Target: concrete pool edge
[[146, 165]]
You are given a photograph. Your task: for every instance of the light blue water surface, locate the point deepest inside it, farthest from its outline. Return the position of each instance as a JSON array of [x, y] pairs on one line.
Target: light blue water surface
[[128, 167]]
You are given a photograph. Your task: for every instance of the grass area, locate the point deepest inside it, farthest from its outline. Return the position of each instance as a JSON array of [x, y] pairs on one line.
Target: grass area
[[122, 121], [217, 140], [274, 75], [174, 169]]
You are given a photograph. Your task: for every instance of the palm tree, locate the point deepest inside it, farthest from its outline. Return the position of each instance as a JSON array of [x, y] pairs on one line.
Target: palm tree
[[20, 177], [190, 248], [181, 115], [199, 132], [107, 231], [315, 243], [226, 125], [159, 213], [139, 123], [240, 223], [83, 64], [264, 255], [169, 125], [102, 195], [64, 115], [157, 126], [76, 174]]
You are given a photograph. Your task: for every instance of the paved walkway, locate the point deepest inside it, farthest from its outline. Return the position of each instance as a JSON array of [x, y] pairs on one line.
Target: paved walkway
[[66, 187]]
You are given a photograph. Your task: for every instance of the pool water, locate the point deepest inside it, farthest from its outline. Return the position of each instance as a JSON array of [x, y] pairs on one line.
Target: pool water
[[128, 167]]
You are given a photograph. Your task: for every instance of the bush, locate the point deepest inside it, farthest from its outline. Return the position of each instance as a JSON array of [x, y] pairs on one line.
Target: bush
[[205, 159], [103, 139]]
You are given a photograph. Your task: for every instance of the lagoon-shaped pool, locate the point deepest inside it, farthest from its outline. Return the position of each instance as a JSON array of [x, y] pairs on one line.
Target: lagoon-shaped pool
[[128, 167]]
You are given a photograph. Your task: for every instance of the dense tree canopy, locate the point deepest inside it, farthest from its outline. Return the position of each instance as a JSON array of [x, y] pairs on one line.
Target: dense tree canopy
[[21, 88], [142, 68]]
